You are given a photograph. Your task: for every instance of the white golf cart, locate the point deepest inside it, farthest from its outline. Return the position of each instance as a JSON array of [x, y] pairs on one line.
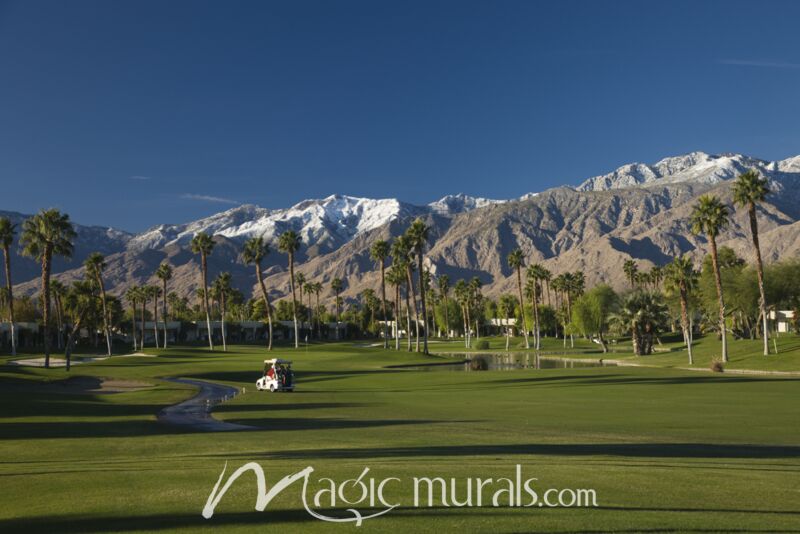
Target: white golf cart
[[278, 376]]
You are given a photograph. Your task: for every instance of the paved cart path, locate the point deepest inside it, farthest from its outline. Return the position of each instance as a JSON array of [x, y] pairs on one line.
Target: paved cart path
[[195, 412]]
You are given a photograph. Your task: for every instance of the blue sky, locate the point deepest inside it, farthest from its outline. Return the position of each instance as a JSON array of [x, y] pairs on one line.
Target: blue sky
[[134, 113]]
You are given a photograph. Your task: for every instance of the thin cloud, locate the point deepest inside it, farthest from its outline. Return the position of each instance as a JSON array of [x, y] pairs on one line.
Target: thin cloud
[[138, 177], [761, 63], [208, 198]]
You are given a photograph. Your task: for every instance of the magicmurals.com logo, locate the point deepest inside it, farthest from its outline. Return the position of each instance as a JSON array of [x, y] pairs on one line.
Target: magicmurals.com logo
[[368, 492]]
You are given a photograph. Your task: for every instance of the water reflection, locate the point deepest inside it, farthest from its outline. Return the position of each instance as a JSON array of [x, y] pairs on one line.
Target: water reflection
[[508, 361]]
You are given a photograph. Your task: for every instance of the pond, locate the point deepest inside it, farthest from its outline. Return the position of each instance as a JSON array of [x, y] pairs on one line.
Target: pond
[[505, 361]]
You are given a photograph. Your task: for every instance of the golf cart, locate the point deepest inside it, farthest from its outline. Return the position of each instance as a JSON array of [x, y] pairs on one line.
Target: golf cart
[[278, 376]]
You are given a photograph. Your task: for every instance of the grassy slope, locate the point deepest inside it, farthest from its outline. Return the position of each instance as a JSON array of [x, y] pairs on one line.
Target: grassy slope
[[664, 448]]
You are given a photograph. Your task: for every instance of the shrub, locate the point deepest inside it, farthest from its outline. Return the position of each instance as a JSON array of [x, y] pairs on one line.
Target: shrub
[[717, 366], [482, 344]]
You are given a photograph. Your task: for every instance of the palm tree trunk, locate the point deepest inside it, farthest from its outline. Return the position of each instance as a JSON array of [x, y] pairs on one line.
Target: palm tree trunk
[[164, 310], [222, 317], [685, 321], [446, 318], [336, 296], [522, 308], [106, 326], [416, 311], [720, 298], [9, 288], [141, 325], [155, 317], [424, 306], [133, 325], [535, 303], [294, 300], [204, 273], [397, 317], [762, 303], [46, 259], [408, 318], [265, 296]]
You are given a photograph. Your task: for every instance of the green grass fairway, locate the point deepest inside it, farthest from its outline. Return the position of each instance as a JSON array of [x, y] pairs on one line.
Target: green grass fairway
[[664, 449]]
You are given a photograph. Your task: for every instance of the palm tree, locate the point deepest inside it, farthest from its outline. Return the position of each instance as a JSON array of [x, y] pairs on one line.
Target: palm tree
[[300, 280], [336, 285], [418, 238], [44, 235], [463, 295], [475, 299], [749, 190], [507, 305], [402, 263], [203, 244], [630, 269], [643, 315], [80, 300], [379, 252], [132, 296], [682, 278], [535, 273], [289, 242], [710, 217], [95, 264], [255, 249], [316, 287], [222, 286], [164, 273], [516, 261], [396, 278], [444, 290], [7, 231]]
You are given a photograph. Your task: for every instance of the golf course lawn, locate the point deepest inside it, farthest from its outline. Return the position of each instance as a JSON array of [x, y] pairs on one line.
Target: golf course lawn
[[664, 449]]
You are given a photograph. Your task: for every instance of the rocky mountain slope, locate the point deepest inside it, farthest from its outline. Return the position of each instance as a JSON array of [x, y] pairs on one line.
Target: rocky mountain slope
[[639, 211]]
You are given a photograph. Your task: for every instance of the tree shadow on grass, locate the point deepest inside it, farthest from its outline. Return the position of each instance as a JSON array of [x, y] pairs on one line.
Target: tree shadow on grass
[[301, 519], [617, 379], [633, 450]]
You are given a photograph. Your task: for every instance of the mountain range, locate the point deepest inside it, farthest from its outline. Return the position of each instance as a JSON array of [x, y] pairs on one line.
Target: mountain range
[[639, 211]]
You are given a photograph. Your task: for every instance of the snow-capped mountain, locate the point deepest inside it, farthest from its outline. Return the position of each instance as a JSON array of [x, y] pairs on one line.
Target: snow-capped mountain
[[328, 222], [460, 203], [695, 167]]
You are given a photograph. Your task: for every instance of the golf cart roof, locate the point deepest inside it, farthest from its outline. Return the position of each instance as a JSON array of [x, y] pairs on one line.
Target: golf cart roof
[[276, 361]]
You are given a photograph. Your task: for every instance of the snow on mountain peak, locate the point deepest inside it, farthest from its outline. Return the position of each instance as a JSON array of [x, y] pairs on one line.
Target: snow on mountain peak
[[451, 204], [695, 167]]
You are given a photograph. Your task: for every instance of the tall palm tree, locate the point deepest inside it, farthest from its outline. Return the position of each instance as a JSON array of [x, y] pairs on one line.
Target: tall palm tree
[[516, 261], [395, 278], [132, 296], [336, 285], [507, 305], [44, 235], [81, 302], [444, 290], [630, 269], [475, 302], [164, 273], [402, 263], [536, 273], [463, 293], [379, 252], [223, 288], [418, 239], [203, 244], [710, 217], [255, 249], [289, 243], [95, 264], [682, 278], [7, 232], [749, 190], [316, 287]]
